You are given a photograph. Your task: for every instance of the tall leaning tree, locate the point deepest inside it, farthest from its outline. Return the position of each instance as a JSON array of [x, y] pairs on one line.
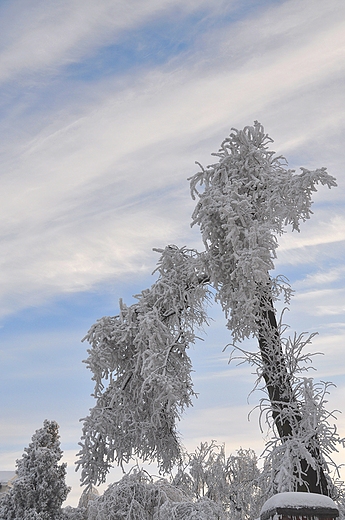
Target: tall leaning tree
[[139, 359]]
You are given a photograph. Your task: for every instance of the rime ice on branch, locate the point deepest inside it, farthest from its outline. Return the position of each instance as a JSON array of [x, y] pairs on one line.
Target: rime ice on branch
[[142, 371]]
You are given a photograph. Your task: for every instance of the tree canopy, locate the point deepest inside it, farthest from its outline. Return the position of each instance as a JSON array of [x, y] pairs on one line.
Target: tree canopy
[[244, 203]]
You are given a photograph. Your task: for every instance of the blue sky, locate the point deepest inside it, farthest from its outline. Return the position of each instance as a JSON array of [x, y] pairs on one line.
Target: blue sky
[[105, 106]]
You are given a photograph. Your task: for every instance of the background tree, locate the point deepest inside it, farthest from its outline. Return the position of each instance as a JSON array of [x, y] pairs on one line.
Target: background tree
[[40, 488], [137, 496], [244, 203], [234, 483]]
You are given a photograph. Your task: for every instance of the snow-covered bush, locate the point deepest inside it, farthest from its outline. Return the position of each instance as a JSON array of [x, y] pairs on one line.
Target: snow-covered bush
[[202, 509], [81, 512], [40, 488], [136, 496], [89, 494]]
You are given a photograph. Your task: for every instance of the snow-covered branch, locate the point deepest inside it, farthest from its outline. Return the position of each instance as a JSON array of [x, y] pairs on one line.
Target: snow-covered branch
[[142, 371]]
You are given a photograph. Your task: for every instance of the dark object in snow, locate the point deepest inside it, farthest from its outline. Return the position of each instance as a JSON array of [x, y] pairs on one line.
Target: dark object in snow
[[301, 506]]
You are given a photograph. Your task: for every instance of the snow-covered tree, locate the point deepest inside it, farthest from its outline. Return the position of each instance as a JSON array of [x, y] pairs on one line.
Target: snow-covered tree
[[81, 512], [139, 358], [234, 483], [74, 513], [39, 489], [138, 496]]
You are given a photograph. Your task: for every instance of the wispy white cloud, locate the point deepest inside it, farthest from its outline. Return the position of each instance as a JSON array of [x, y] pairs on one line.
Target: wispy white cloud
[[62, 230], [322, 302], [320, 231], [45, 36], [329, 276]]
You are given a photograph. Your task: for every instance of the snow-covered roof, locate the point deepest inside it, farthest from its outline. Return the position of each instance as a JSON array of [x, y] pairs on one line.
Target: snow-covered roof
[[298, 501], [6, 476]]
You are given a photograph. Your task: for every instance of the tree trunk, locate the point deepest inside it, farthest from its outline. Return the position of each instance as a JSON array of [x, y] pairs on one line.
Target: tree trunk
[[282, 397]]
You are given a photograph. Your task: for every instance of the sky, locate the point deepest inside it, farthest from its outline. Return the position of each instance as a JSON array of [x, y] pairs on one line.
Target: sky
[[105, 107]]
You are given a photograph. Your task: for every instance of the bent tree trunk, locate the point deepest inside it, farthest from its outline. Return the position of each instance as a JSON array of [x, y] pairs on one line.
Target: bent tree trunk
[[284, 406]]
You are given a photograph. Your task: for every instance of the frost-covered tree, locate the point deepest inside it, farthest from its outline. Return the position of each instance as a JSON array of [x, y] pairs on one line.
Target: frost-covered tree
[[137, 496], [234, 483], [139, 358], [39, 489], [74, 513], [81, 512]]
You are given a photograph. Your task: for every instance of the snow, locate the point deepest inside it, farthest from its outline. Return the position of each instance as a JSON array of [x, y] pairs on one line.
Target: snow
[[297, 501]]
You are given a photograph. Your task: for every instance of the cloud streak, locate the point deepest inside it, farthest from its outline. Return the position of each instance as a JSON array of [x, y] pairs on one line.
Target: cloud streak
[[48, 36], [59, 222]]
